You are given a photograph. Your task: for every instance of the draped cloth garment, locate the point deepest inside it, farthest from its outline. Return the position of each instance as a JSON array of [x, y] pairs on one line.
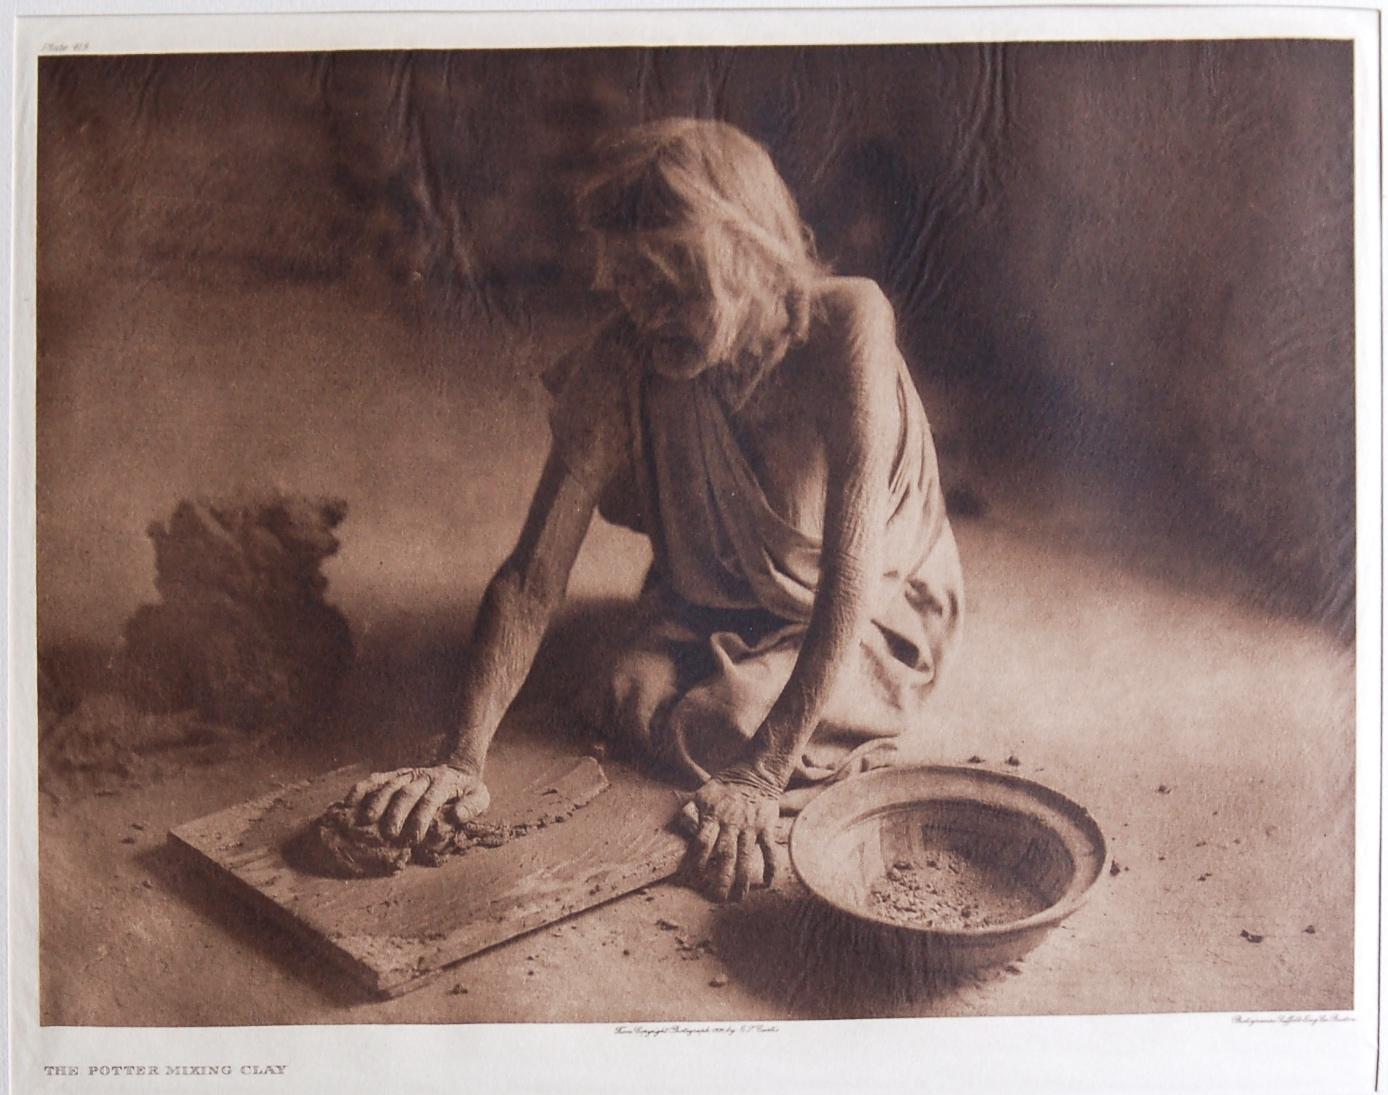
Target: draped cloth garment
[[732, 585]]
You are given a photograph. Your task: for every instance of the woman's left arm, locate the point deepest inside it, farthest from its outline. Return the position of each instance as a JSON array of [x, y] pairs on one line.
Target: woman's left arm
[[738, 807]]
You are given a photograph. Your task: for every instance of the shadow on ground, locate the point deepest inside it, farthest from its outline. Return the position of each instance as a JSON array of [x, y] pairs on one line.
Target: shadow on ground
[[842, 969]]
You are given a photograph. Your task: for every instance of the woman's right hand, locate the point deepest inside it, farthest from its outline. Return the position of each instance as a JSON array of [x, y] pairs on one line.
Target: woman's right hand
[[406, 800]]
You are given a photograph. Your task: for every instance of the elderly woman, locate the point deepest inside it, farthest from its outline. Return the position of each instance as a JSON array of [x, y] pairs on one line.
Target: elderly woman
[[751, 414]]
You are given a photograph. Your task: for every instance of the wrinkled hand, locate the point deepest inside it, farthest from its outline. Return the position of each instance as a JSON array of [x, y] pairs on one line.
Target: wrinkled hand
[[406, 800], [734, 841]]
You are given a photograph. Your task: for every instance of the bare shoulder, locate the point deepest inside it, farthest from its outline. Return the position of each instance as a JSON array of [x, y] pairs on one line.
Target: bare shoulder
[[854, 366], [856, 308], [855, 329]]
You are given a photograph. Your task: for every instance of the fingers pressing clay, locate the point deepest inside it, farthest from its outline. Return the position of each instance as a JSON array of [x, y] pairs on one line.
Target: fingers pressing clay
[[366, 786], [402, 804], [429, 815], [471, 805], [375, 803], [423, 813]]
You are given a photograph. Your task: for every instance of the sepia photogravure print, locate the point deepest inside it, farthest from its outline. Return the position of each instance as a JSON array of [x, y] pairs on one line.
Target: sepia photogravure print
[[714, 535]]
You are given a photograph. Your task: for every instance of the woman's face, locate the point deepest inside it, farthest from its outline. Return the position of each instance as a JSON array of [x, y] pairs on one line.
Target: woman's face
[[660, 295]]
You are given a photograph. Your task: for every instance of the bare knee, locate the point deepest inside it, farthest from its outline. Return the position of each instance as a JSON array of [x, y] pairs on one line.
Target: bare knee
[[707, 730], [641, 688]]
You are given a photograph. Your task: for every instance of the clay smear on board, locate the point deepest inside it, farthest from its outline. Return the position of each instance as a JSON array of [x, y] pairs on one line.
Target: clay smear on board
[[951, 891], [338, 845]]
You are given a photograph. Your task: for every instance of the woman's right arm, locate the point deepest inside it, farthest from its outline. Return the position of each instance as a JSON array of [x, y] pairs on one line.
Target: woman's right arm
[[516, 610], [511, 622]]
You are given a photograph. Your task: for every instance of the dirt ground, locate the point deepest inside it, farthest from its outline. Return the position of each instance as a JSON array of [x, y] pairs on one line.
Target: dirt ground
[[1213, 743], [1104, 686]]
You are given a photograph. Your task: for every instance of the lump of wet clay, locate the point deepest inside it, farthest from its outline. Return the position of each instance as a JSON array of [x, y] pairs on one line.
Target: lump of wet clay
[[338, 844], [242, 634]]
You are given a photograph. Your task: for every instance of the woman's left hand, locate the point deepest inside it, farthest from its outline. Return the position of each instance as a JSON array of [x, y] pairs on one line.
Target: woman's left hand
[[735, 839]]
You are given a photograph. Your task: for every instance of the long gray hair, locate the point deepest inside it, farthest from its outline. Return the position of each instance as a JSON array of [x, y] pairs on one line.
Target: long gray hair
[[703, 198]]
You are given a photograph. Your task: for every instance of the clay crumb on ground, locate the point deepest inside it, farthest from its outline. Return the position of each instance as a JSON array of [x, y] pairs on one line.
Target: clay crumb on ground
[[718, 980], [951, 891], [1252, 937], [1114, 869], [694, 950], [1310, 929], [1012, 760], [1163, 789], [975, 759]]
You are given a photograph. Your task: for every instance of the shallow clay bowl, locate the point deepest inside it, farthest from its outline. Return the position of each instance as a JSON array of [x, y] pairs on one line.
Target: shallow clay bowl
[[1027, 836]]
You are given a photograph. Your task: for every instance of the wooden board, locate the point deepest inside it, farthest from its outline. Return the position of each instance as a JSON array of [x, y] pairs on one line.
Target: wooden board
[[396, 933]]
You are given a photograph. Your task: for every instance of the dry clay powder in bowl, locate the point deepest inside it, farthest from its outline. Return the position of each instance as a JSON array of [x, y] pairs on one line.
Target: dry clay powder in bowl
[[951, 890], [979, 865]]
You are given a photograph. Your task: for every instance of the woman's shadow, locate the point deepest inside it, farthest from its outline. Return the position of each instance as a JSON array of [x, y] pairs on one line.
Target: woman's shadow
[[404, 690]]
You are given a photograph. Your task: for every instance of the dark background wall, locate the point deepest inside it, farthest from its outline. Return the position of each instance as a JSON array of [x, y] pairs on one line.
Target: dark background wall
[[1123, 271]]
